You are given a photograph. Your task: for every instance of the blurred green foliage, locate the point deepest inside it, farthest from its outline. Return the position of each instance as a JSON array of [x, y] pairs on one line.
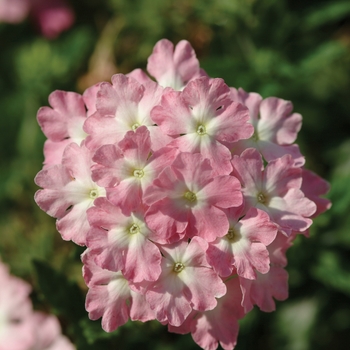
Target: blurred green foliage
[[297, 50]]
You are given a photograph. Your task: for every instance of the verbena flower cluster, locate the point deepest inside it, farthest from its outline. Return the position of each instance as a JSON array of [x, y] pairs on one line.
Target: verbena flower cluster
[[21, 328], [186, 192]]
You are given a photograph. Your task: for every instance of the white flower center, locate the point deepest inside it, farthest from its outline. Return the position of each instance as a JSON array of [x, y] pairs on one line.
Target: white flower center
[[94, 193], [178, 267], [133, 229], [232, 235], [261, 197], [190, 196], [201, 129], [139, 173], [135, 126]]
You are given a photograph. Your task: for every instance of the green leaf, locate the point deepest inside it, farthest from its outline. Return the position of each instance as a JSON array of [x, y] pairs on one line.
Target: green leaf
[[331, 271], [332, 12]]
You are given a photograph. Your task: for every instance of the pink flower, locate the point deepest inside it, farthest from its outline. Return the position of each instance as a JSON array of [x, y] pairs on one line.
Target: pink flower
[[16, 332], [219, 325], [275, 127], [244, 246], [173, 67], [129, 169], [205, 116], [48, 334], [110, 296], [20, 327], [123, 106], [187, 281], [187, 200], [68, 191], [62, 124], [275, 189], [120, 242]]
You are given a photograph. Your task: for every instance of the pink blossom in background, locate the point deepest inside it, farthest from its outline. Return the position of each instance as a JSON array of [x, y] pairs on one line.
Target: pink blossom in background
[[22, 328], [51, 16], [48, 335], [14, 11], [186, 193], [16, 331]]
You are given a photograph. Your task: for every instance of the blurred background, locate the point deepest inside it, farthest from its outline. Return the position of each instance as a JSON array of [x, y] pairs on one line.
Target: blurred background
[[297, 50]]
